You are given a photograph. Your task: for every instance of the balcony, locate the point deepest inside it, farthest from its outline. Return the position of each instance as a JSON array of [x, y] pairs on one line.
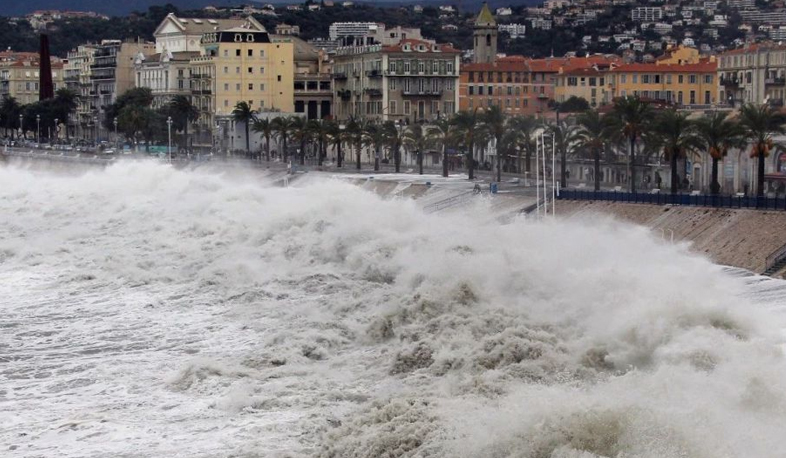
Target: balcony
[[201, 91], [730, 82], [374, 73], [423, 93], [779, 81], [339, 76], [105, 92], [344, 94], [373, 92], [543, 96]]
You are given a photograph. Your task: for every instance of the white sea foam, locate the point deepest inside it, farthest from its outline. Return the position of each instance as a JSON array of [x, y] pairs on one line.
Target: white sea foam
[[148, 312]]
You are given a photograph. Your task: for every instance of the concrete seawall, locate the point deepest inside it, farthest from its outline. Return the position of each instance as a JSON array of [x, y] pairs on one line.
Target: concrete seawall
[[735, 237]]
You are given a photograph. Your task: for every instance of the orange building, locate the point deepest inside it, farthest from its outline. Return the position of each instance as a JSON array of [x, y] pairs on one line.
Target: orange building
[[519, 85]]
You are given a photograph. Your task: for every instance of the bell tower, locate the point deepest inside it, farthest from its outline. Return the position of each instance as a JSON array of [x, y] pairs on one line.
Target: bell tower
[[485, 35]]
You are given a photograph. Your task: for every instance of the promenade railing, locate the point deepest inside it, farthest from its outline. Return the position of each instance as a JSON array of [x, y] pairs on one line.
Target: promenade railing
[[717, 201]]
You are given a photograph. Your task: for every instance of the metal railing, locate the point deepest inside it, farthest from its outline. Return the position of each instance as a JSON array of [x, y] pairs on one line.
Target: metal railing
[[774, 257], [449, 202], [719, 201]]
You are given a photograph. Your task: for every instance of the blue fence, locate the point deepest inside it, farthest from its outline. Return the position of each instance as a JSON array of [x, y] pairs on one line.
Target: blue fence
[[761, 203]]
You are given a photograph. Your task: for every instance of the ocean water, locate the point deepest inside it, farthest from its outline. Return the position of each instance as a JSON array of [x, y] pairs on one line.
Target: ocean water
[[148, 312]]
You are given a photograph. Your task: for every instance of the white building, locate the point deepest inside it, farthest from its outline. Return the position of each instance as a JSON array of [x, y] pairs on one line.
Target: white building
[[504, 12], [538, 23], [647, 14], [514, 30], [341, 30]]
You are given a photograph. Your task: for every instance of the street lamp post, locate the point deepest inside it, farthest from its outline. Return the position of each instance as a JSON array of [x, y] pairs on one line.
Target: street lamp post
[[95, 125], [21, 127], [56, 136], [38, 130], [116, 139], [169, 130]]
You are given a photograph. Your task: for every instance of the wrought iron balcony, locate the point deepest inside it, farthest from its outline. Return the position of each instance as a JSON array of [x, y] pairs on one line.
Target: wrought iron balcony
[[423, 93], [339, 76]]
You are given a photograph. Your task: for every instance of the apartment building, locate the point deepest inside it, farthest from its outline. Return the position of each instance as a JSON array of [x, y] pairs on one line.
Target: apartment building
[[77, 79], [754, 73], [112, 71], [647, 14], [690, 85], [587, 81], [411, 81], [19, 75], [313, 85]]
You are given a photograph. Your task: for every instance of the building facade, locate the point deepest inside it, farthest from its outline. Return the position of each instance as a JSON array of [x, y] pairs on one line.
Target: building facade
[[485, 37], [686, 85], [19, 76], [755, 73], [77, 79], [411, 81]]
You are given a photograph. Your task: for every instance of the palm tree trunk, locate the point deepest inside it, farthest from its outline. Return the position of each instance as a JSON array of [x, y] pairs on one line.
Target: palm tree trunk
[[397, 157], [358, 153], [563, 181], [185, 134], [760, 175], [527, 160], [444, 161], [320, 153], [471, 161], [284, 145], [714, 185], [499, 160], [248, 140], [420, 161], [632, 165], [597, 169], [674, 177], [376, 158], [267, 148], [339, 155], [302, 152]]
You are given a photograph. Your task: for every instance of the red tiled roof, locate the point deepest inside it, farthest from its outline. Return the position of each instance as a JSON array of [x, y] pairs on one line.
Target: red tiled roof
[[754, 47]]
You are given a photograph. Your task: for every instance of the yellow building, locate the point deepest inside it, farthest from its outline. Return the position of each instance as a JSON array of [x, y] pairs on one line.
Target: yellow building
[[691, 85], [19, 76], [242, 64], [679, 55]]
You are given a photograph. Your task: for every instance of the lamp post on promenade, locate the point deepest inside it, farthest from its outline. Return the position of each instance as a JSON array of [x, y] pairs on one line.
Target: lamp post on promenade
[[116, 139], [169, 130], [38, 130], [21, 127]]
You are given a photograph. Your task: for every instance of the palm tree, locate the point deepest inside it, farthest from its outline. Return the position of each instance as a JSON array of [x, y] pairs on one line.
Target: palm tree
[[319, 132], [65, 103], [184, 112], [282, 128], [264, 127], [302, 134], [628, 120], [761, 123], [525, 127], [674, 133], [416, 138], [335, 136], [243, 113], [354, 135], [440, 132], [393, 138], [10, 109], [494, 123], [592, 135], [718, 133], [373, 137], [566, 141], [468, 127]]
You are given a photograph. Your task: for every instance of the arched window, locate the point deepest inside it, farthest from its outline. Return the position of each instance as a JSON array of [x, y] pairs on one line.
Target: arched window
[[488, 39]]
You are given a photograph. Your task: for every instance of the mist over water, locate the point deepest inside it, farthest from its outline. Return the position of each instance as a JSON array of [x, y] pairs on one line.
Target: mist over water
[[148, 312]]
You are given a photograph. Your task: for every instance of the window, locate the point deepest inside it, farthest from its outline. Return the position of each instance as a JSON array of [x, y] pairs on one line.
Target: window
[[449, 85], [262, 87], [480, 90], [226, 54], [692, 97], [250, 53], [250, 69], [237, 53], [250, 86], [226, 86], [623, 79], [471, 90], [593, 81], [226, 70], [657, 79], [237, 70], [237, 87], [573, 81], [392, 67], [708, 79], [645, 79], [693, 79], [668, 79], [392, 107], [261, 70], [278, 77], [407, 84], [510, 90], [421, 66], [707, 98], [407, 108], [226, 102], [507, 103], [680, 79], [679, 97], [392, 84], [261, 53], [406, 66], [635, 78], [434, 107], [491, 90], [450, 67]]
